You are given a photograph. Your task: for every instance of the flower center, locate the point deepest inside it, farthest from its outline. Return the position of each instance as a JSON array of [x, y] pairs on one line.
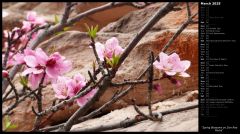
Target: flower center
[[51, 62]]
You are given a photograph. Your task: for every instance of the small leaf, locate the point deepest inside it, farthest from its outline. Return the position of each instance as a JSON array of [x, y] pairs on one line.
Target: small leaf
[[56, 20], [115, 60], [66, 28], [59, 33], [109, 62], [8, 124], [87, 27], [12, 126], [23, 80], [92, 31]]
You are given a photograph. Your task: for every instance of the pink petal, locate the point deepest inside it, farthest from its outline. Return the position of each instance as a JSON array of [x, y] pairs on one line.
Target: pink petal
[[79, 77], [66, 66], [100, 50], [163, 57], [31, 61], [170, 73], [19, 58], [157, 65], [31, 16], [29, 51], [52, 72], [59, 86], [27, 71], [186, 64], [71, 84], [27, 26], [39, 21], [41, 56], [84, 99], [34, 80], [112, 43], [184, 74]]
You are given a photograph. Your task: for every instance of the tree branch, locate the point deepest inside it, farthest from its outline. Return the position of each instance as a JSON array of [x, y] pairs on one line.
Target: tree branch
[[150, 84], [56, 28], [157, 16]]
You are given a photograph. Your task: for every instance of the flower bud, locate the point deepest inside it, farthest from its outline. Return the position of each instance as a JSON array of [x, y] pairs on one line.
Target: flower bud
[[5, 73]]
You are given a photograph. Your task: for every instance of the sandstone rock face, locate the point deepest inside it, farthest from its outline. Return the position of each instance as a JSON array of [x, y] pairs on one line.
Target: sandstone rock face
[[74, 45], [186, 121], [133, 21], [100, 18], [57, 8]]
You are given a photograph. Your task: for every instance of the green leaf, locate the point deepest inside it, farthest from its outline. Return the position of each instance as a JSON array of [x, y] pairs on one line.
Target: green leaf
[[12, 126], [56, 20], [115, 60], [66, 28], [8, 124], [109, 62], [23, 80], [87, 27], [92, 31]]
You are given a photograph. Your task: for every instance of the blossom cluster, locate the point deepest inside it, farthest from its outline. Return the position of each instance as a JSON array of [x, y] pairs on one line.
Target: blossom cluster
[[38, 62], [171, 65], [65, 87], [21, 35], [110, 50]]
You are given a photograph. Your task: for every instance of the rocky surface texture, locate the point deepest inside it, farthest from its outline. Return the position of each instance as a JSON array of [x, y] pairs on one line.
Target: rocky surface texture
[[186, 121], [74, 45]]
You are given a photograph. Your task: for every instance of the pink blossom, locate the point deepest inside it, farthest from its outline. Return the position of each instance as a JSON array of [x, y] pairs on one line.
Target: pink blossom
[[34, 19], [60, 88], [110, 48], [172, 65], [38, 63], [56, 65], [27, 26], [75, 85]]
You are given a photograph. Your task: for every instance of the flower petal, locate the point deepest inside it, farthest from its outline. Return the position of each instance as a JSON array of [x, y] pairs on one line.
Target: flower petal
[[184, 74], [31, 61]]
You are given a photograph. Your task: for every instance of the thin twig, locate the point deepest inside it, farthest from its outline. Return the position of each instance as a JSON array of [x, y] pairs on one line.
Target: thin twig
[[66, 13], [188, 10], [144, 115], [16, 103], [150, 84], [114, 84], [13, 88], [97, 57]]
